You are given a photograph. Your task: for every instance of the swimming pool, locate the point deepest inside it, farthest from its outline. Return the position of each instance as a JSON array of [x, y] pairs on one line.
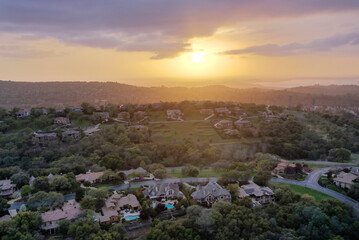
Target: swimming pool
[[130, 218], [169, 206]]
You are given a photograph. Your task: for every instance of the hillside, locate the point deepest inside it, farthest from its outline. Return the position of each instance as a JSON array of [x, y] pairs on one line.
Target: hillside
[[30, 94]]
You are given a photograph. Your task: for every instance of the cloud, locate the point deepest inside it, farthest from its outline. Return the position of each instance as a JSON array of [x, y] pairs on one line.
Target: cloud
[[319, 45], [15, 52], [159, 26]]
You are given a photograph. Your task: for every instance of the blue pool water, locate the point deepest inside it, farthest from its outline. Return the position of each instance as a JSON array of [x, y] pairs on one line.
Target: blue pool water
[[169, 206], [130, 218]]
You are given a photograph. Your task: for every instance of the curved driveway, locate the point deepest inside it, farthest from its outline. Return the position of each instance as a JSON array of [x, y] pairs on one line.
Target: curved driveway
[[311, 181]]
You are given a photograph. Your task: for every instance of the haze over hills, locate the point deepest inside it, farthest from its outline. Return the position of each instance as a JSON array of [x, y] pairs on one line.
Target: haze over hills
[[31, 94]]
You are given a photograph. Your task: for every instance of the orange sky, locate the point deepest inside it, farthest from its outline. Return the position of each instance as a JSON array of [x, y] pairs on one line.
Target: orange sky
[[296, 42]]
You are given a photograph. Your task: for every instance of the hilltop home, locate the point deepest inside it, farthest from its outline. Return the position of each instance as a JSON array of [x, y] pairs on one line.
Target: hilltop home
[[71, 134], [117, 203], [22, 113], [240, 124], [7, 188], [222, 111], [345, 180], [91, 177], [259, 195], [174, 114], [224, 124], [163, 191], [45, 138], [50, 219], [60, 121], [210, 194], [285, 167]]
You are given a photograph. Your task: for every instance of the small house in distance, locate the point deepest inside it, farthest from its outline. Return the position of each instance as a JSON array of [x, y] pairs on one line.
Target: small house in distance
[[210, 194], [163, 191], [70, 211], [22, 113], [174, 114], [45, 138], [7, 188], [91, 177], [345, 180], [259, 195], [240, 124], [61, 121], [222, 111], [119, 205], [71, 134]]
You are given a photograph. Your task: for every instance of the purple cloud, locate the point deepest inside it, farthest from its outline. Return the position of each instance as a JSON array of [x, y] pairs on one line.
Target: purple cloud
[[319, 45], [159, 26]]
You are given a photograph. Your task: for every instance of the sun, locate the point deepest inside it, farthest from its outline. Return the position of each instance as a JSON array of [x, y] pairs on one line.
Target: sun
[[198, 57]]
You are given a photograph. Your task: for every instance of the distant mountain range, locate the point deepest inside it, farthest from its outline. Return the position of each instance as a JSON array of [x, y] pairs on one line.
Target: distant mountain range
[[56, 94]]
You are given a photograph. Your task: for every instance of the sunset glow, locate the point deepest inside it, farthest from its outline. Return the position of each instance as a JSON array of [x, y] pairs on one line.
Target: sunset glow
[[179, 42]]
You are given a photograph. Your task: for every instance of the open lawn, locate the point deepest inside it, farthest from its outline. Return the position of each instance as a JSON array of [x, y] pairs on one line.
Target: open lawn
[[177, 131], [318, 196], [209, 172]]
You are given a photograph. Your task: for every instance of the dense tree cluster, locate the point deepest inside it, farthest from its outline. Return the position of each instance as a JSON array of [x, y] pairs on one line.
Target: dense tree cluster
[[292, 217]]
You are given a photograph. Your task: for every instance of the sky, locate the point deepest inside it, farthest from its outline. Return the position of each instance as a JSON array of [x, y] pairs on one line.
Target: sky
[[241, 43]]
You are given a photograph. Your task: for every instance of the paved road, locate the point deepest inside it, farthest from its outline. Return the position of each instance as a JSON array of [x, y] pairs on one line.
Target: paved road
[[311, 181], [327, 163]]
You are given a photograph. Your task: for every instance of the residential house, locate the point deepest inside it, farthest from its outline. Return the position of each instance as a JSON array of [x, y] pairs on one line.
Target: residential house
[[240, 124], [206, 111], [222, 111], [61, 121], [224, 124], [45, 137], [285, 167], [76, 109], [50, 219], [7, 188], [345, 180], [71, 134], [354, 170], [210, 194], [174, 114], [114, 206], [259, 195], [163, 191], [91, 177], [22, 113]]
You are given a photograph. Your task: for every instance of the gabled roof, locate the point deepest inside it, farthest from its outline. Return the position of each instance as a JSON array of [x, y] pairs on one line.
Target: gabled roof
[[212, 188], [253, 189], [344, 177], [167, 189]]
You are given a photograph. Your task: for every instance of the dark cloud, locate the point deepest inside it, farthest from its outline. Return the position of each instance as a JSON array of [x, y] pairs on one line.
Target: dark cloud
[[320, 45], [159, 26]]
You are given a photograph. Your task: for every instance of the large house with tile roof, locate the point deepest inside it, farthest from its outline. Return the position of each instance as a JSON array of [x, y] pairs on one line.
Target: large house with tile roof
[[210, 194], [163, 191], [258, 194]]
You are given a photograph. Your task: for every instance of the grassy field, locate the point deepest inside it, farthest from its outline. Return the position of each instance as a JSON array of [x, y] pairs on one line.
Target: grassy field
[[177, 131], [209, 172], [318, 196]]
